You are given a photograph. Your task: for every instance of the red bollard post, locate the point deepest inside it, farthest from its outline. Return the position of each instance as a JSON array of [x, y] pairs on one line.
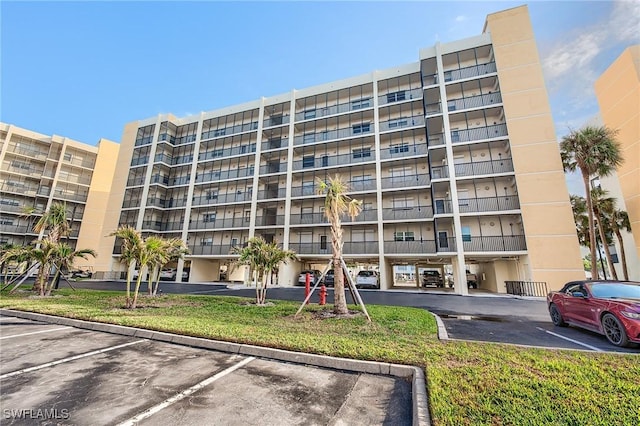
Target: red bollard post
[[307, 286], [323, 295]]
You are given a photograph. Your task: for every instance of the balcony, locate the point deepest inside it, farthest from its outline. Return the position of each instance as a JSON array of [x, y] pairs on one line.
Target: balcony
[[70, 196], [402, 150], [276, 143], [504, 165], [435, 139], [28, 152], [489, 204], [227, 152], [409, 247], [268, 194], [494, 243], [318, 112], [469, 72], [401, 123], [211, 250], [354, 248], [222, 198], [276, 120], [224, 174], [270, 220], [226, 131], [155, 225], [144, 141], [15, 229], [308, 219], [19, 188], [432, 109], [407, 213], [474, 101], [11, 206], [346, 132], [311, 161], [446, 245], [237, 222], [370, 215], [479, 133], [362, 185], [405, 181], [179, 180], [136, 161], [273, 168], [127, 204], [299, 191], [402, 95]]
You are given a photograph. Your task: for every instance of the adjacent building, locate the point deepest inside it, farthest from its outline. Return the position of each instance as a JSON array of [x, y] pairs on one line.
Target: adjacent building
[[618, 93], [454, 157], [37, 170]]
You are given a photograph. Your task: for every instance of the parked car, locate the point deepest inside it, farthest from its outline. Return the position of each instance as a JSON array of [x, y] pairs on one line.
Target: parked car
[[168, 274], [472, 280], [80, 273], [367, 279], [432, 278], [329, 278], [314, 276], [611, 308]]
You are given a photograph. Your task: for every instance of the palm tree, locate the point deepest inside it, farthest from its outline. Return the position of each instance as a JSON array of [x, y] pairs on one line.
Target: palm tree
[[175, 249], [158, 256], [63, 258], [337, 204], [18, 255], [55, 222], [579, 208], [151, 251], [617, 220], [592, 151], [131, 245], [600, 200]]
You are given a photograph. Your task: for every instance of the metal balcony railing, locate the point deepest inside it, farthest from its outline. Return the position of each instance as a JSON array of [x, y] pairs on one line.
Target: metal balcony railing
[[308, 219], [226, 131], [268, 194], [527, 288], [277, 120], [400, 150], [400, 96], [270, 220], [334, 160], [369, 247], [222, 198], [409, 247], [488, 204], [126, 204], [227, 152], [346, 132], [401, 123], [136, 161], [432, 109], [474, 101], [446, 244], [469, 72], [405, 181], [71, 196], [14, 229], [299, 191], [407, 213], [273, 168], [479, 133], [28, 152], [235, 222], [318, 112], [274, 144], [362, 185], [494, 243], [224, 174], [212, 250], [435, 139], [370, 215]]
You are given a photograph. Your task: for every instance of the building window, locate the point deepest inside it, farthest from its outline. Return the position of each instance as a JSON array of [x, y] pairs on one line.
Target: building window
[[466, 233], [400, 122], [308, 188], [360, 103], [309, 137], [219, 132], [403, 236], [209, 217], [6, 221], [206, 241], [361, 152], [402, 204], [308, 161], [311, 113], [212, 195], [67, 156], [361, 128], [398, 149], [396, 96], [218, 153], [323, 242]]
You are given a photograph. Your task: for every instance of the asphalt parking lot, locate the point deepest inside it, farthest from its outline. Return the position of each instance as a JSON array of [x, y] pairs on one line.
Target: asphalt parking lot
[[53, 374]]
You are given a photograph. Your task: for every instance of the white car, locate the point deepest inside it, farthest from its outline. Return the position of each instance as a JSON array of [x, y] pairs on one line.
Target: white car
[[367, 279]]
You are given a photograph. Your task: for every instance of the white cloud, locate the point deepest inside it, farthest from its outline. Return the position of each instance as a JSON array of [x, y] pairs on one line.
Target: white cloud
[[461, 18]]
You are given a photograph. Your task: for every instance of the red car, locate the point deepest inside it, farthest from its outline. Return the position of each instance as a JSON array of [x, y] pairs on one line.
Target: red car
[[611, 308]]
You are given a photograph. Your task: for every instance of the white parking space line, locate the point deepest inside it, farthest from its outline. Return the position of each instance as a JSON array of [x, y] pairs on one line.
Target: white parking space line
[[593, 348], [151, 411], [34, 332], [72, 358], [208, 291]]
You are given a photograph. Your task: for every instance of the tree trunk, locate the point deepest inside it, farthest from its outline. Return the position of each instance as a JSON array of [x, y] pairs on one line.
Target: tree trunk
[[592, 233], [607, 252], [623, 255], [135, 293]]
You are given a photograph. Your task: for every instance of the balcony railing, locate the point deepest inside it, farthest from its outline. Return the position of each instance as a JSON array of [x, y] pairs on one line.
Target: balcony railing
[[435, 139], [273, 168], [407, 213], [139, 160], [432, 109], [237, 222], [179, 180], [504, 165], [127, 204], [222, 198], [224, 174], [474, 101], [479, 133], [346, 132], [226, 131], [334, 160], [409, 247], [299, 191], [155, 225], [446, 244], [144, 141], [362, 185], [403, 150], [488, 204], [15, 229], [318, 112], [401, 123], [308, 219], [11, 206], [405, 181], [277, 120], [370, 215], [268, 194], [227, 152], [402, 95], [274, 144], [27, 152], [469, 72], [270, 220], [369, 247], [72, 196], [213, 250], [494, 243]]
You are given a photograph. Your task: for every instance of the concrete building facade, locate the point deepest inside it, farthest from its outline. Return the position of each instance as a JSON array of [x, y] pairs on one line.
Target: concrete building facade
[[454, 157], [37, 170]]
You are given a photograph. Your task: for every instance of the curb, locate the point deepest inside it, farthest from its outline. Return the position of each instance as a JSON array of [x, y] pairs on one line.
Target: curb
[[442, 330], [418, 384]]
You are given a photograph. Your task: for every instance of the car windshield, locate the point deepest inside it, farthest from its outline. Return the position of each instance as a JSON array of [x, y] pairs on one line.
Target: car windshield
[[616, 291], [365, 273]]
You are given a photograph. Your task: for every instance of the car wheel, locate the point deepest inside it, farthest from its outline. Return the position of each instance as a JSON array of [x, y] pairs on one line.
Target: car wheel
[[556, 316], [614, 330]]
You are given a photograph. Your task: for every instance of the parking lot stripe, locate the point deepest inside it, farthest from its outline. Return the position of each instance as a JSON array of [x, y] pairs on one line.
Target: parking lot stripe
[[151, 411], [33, 332], [71, 358], [593, 348]]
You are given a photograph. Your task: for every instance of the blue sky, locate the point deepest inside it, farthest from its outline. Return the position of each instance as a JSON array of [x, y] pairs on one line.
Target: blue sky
[[84, 69]]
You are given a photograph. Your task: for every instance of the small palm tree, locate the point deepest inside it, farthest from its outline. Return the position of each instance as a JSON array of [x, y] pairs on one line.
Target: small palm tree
[[54, 220], [600, 201], [130, 248], [579, 208], [151, 252], [337, 204], [616, 221], [592, 151], [175, 249], [63, 257]]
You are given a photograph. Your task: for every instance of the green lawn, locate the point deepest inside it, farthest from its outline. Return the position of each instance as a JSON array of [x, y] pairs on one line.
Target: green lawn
[[468, 383]]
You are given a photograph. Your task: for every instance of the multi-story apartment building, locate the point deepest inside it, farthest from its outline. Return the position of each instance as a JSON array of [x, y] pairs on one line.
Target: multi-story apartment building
[[38, 170], [618, 93], [454, 157]]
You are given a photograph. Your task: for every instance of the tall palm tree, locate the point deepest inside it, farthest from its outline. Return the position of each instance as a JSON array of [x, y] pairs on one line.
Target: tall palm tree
[[617, 220], [579, 209], [63, 257], [337, 204], [600, 200], [131, 245], [55, 222], [592, 151]]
